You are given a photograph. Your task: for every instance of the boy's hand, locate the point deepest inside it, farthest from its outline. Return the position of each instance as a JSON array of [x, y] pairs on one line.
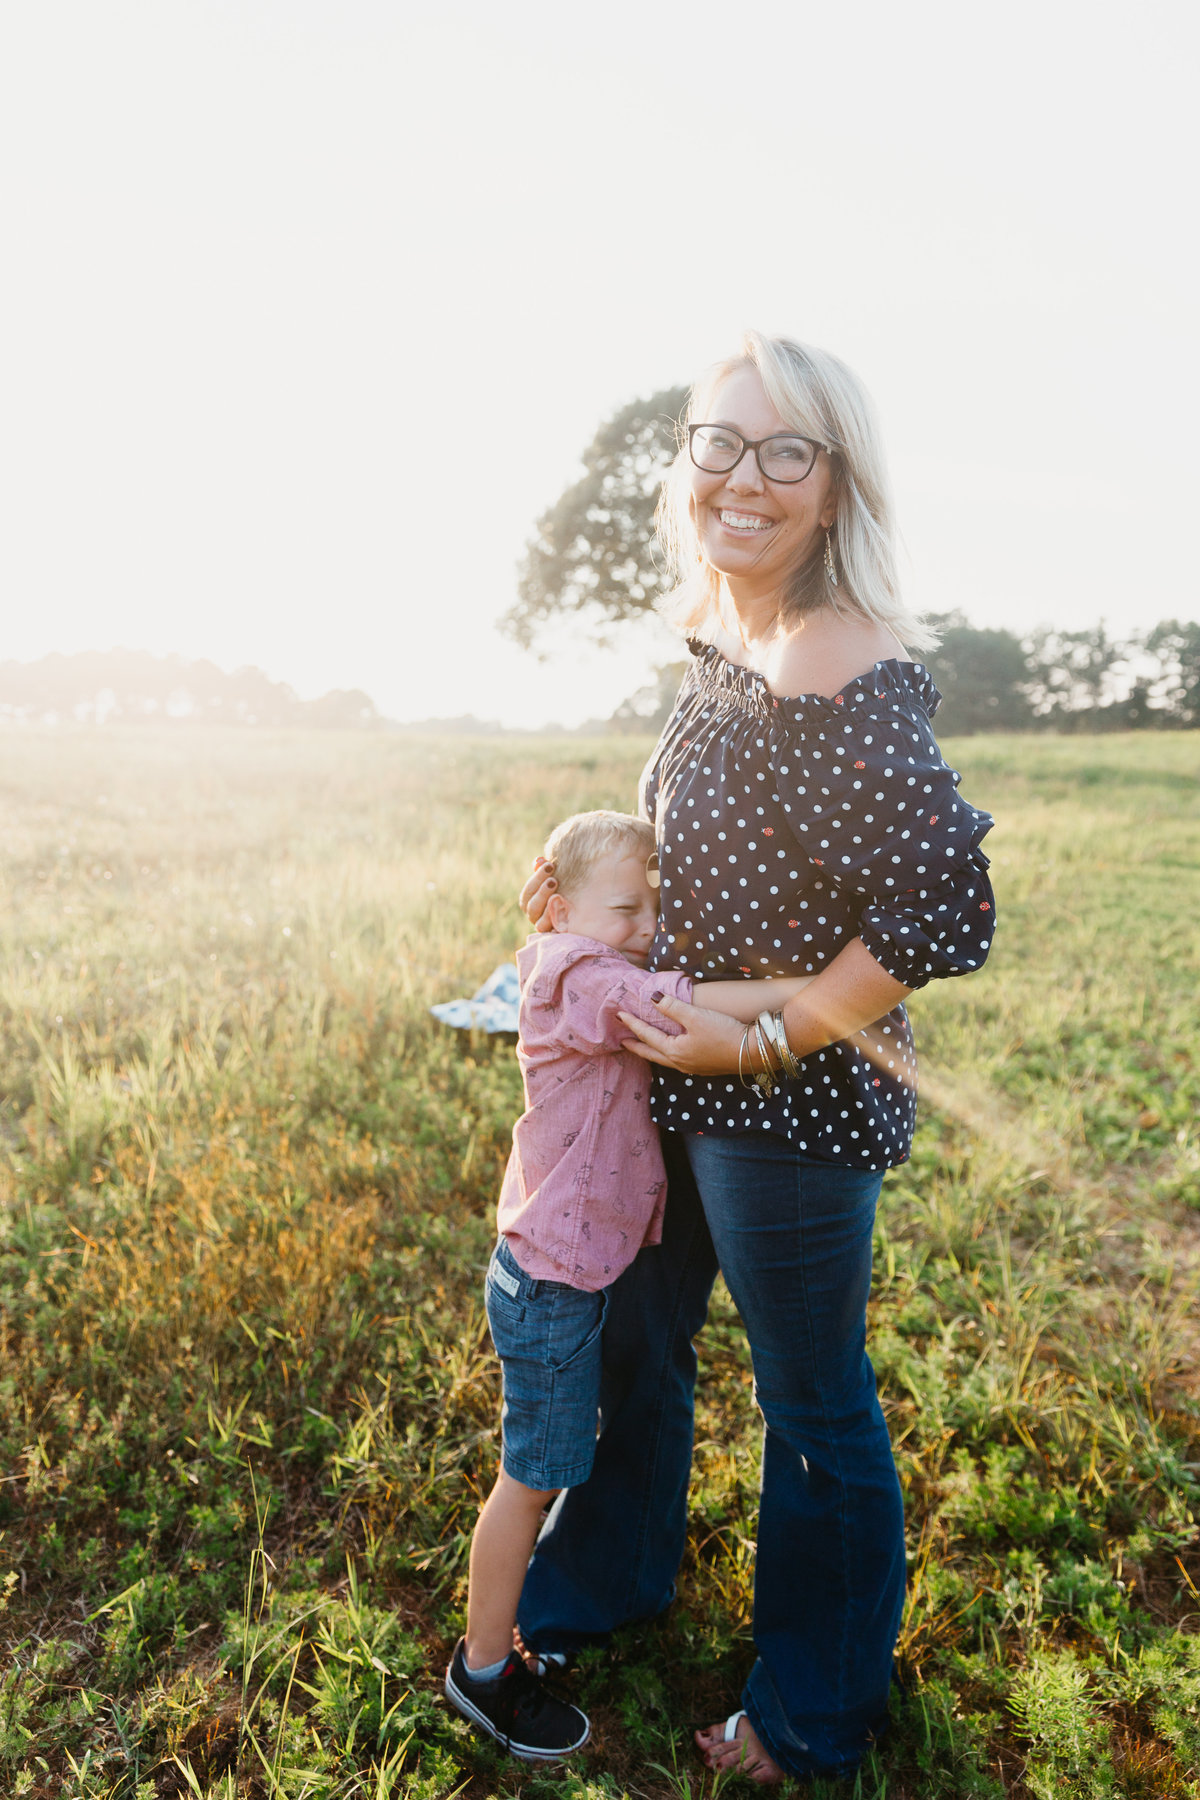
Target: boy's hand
[[707, 1044], [534, 898]]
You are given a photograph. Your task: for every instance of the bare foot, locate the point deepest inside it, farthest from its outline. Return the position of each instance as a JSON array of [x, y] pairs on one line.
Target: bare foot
[[740, 1754], [552, 1663]]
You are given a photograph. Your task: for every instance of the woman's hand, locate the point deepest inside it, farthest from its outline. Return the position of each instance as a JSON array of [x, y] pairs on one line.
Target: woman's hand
[[708, 1044], [534, 898]]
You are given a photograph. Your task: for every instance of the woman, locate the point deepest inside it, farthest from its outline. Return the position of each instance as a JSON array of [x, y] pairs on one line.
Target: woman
[[806, 824]]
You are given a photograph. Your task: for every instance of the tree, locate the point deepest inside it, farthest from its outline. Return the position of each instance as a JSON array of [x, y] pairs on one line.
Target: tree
[[341, 709], [1175, 646], [984, 676], [649, 708], [1072, 676], [593, 551]]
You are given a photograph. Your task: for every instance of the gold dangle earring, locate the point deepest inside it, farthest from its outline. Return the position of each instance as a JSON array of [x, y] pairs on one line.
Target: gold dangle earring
[[830, 565]]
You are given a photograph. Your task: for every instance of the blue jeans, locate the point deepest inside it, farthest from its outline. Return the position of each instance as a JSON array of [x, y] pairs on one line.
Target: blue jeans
[[793, 1239]]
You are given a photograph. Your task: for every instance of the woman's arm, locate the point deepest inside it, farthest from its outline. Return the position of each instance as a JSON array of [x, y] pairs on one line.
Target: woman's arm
[[850, 992], [744, 1000]]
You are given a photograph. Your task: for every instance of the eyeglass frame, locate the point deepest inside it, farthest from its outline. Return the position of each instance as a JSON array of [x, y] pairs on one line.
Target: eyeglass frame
[[756, 445]]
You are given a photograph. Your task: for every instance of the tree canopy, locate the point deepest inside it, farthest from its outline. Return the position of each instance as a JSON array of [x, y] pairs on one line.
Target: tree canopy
[[593, 552]]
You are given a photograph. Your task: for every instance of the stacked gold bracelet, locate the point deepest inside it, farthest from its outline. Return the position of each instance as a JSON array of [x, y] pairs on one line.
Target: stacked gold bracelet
[[764, 1080], [773, 1029], [770, 1040]]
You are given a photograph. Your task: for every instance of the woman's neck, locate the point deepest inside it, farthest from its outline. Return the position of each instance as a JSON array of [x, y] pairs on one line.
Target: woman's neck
[[750, 616]]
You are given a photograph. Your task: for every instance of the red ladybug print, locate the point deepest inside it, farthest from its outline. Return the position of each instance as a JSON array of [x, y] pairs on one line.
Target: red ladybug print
[[794, 923], [860, 765], [985, 906], [839, 699], [768, 831]]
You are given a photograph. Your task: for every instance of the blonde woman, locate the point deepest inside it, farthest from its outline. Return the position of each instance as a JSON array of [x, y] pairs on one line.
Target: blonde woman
[[806, 825]]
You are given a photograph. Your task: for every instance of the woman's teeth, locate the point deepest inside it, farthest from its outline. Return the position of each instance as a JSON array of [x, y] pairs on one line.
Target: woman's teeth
[[744, 521]]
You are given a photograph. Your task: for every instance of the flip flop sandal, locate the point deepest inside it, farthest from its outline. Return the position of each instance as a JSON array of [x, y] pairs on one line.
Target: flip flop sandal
[[729, 1735]]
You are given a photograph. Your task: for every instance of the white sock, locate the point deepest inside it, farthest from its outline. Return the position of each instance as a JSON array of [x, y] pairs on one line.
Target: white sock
[[488, 1673]]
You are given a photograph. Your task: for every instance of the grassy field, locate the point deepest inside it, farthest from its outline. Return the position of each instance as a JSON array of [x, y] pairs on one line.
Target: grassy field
[[247, 1400]]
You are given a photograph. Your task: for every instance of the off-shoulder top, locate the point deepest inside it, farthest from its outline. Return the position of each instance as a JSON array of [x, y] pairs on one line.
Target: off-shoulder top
[[785, 829]]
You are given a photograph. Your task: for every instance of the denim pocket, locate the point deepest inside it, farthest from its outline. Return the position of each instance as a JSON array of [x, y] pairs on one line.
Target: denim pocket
[[575, 1320], [503, 1314], [504, 1296]]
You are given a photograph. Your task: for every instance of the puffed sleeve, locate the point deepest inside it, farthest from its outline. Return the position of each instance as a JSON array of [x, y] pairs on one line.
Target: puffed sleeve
[[597, 988], [875, 806]]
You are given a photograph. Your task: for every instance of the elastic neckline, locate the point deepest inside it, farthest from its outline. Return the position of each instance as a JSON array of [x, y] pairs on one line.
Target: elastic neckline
[[891, 679]]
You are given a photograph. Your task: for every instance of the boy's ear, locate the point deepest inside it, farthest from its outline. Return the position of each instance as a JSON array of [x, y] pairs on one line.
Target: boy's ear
[[558, 913]]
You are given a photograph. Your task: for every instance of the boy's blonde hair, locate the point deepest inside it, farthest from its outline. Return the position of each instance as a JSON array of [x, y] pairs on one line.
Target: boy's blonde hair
[[576, 846]]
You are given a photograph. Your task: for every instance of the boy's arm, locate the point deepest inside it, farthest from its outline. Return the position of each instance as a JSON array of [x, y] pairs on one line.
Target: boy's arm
[[744, 1000]]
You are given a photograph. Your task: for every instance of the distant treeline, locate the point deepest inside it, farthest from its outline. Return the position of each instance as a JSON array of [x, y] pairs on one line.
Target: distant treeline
[[991, 680], [131, 687], [1048, 680], [996, 680]]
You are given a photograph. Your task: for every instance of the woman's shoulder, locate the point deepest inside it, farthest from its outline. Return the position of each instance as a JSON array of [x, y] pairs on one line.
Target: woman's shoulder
[[828, 653]]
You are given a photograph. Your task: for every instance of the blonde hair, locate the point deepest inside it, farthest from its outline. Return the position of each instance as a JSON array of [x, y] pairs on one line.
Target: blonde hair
[[818, 397], [576, 846]]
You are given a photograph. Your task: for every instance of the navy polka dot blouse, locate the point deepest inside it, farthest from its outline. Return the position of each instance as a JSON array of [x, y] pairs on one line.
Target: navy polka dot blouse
[[786, 828]]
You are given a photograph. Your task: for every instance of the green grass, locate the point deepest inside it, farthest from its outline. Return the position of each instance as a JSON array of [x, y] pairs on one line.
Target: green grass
[[247, 1402]]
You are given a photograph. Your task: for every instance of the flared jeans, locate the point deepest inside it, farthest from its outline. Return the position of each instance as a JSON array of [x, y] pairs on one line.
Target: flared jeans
[[792, 1237]]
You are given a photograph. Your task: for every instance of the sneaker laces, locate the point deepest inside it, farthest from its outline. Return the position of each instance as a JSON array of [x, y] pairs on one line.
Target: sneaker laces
[[518, 1684]]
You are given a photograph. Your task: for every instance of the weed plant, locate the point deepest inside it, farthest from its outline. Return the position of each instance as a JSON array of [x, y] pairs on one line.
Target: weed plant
[[247, 1401]]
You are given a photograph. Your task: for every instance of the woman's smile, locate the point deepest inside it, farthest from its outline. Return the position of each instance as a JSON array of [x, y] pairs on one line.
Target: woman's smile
[[743, 521]]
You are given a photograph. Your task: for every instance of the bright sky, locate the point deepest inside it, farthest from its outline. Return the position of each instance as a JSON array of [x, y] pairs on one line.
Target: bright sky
[[310, 306]]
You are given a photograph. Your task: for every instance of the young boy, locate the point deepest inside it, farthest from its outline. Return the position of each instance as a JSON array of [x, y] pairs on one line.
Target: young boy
[[583, 1192]]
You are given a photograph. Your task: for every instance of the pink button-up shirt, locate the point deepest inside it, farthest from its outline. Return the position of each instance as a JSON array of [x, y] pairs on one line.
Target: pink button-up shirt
[[585, 1184]]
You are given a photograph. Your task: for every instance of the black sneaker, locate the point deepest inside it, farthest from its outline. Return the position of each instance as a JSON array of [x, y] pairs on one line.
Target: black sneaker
[[516, 1709]]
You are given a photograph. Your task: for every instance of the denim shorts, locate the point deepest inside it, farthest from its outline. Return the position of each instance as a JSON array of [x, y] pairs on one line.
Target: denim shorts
[[547, 1336]]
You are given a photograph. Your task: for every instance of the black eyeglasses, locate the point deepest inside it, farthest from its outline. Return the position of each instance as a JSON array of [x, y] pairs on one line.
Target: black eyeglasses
[[718, 451]]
